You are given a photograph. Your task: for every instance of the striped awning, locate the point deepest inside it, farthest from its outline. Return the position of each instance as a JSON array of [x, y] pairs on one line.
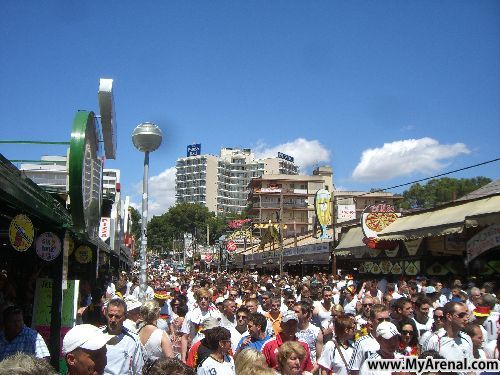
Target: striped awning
[[444, 221]]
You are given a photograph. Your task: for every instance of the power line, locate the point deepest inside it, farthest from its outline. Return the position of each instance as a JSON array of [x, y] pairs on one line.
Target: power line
[[430, 178]]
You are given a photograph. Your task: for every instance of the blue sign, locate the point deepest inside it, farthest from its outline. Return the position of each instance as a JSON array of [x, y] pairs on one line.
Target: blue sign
[[193, 150], [285, 157]]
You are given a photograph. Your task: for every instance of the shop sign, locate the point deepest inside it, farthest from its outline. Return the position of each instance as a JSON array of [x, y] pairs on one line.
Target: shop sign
[[83, 254], [487, 239], [85, 173], [104, 228], [48, 246], [346, 212], [323, 209], [230, 246], [377, 217], [193, 150], [21, 232]]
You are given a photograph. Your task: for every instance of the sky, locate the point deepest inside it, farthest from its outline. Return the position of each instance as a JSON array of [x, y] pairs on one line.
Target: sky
[[385, 92]]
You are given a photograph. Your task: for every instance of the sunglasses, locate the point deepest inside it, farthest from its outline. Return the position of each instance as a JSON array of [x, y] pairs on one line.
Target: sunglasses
[[462, 315], [242, 317], [405, 332], [367, 304], [204, 298]]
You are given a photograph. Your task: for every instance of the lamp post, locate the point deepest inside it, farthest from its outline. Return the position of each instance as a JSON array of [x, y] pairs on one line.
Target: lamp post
[[146, 137]]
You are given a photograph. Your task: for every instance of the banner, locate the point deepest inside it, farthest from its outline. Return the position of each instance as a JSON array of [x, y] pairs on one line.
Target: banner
[[346, 212], [487, 239]]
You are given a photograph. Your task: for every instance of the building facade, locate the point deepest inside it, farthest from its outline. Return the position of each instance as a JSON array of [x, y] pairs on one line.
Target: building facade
[[288, 199], [221, 182]]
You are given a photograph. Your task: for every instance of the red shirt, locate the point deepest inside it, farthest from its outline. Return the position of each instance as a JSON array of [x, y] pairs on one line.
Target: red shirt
[[270, 351]]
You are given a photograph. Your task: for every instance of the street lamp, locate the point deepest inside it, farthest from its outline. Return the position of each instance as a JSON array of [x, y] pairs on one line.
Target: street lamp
[[146, 137]]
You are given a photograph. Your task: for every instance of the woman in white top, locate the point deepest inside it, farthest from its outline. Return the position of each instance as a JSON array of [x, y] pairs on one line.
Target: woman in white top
[[338, 351], [155, 342], [218, 340]]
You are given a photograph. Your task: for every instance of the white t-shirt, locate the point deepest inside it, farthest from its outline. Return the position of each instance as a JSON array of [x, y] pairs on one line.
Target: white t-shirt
[[350, 307], [331, 360], [364, 347], [424, 339], [212, 367], [423, 328], [451, 348], [310, 337], [491, 325]]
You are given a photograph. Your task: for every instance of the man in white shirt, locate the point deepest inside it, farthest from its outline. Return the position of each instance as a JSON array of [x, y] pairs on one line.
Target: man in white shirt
[[388, 338], [124, 351], [228, 318], [368, 345], [452, 343], [363, 318]]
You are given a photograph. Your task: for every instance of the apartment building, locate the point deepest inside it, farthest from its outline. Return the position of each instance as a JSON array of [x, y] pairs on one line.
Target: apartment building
[[221, 182], [288, 199], [50, 173]]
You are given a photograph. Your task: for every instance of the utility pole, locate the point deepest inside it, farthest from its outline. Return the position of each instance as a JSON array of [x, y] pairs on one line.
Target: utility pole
[[281, 231], [334, 255]]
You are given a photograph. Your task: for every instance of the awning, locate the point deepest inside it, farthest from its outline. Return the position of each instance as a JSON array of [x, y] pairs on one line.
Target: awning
[[447, 220], [352, 239]]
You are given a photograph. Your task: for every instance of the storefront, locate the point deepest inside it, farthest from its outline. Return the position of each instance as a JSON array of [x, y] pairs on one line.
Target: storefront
[[457, 239]]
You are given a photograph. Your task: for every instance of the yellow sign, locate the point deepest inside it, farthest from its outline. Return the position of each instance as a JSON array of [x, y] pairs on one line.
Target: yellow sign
[[83, 254], [21, 232]]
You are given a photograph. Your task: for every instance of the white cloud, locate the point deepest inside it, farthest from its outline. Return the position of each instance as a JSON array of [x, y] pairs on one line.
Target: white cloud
[[161, 190], [306, 153], [400, 158]]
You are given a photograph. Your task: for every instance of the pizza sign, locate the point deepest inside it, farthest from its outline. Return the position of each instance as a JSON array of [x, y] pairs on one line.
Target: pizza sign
[[377, 217]]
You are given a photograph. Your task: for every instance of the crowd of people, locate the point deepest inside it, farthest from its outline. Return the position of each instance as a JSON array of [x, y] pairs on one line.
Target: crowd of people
[[250, 323]]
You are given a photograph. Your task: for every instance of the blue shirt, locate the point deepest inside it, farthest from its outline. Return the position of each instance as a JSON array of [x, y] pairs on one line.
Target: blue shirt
[[254, 344], [27, 341]]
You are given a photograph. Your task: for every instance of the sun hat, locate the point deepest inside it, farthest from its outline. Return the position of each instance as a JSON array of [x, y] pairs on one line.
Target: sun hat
[[387, 330], [132, 302], [481, 311], [289, 315], [85, 336]]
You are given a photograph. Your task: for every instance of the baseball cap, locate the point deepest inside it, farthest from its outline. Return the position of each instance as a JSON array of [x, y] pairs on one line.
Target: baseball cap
[[132, 303], [85, 336], [289, 315], [387, 330], [430, 290]]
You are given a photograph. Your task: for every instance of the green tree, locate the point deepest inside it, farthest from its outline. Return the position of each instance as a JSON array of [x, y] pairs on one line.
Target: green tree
[[183, 218], [439, 191]]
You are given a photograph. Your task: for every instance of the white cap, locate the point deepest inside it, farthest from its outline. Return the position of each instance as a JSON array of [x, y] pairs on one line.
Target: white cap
[[85, 336], [132, 302], [289, 315], [387, 330]]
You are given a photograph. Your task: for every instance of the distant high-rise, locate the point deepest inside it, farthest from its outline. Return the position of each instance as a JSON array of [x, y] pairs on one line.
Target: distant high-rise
[[221, 182]]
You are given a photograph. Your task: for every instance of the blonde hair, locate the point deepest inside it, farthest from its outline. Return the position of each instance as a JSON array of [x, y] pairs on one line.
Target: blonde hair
[[203, 292], [251, 362], [289, 348], [26, 364], [150, 311]]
